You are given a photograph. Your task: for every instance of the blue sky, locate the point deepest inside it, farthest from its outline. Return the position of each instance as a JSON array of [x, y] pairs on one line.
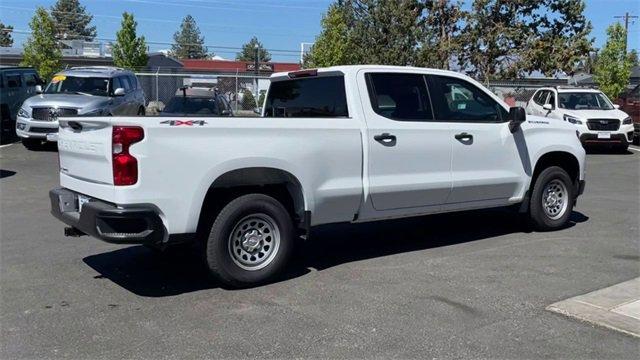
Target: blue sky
[[279, 24]]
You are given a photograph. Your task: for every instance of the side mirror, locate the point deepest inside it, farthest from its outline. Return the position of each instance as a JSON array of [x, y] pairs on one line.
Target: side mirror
[[547, 107], [616, 106], [38, 89], [517, 115], [118, 92]]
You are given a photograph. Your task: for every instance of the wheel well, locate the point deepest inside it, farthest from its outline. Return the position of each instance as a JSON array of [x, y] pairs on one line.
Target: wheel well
[[276, 183], [565, 160]]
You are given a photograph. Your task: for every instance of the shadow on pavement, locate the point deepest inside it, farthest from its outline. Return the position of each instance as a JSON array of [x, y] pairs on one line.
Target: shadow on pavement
[[147, 273], [6, 173]]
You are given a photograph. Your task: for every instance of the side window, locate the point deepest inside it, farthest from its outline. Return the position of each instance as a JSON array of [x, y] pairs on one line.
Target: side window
[[552, 99], [134, 82], [14, 81], [124, 80], [115, 83], [312, 97], [458, 100], [399, 96], [31, 79]]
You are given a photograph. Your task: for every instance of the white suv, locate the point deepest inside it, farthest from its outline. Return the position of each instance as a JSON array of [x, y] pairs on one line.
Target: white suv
[[597, 119]]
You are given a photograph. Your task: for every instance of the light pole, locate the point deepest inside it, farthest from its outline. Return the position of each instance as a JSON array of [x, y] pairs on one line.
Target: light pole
[[257, 68]]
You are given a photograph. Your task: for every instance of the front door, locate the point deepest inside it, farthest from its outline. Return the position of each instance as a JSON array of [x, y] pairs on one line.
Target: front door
[[486, 164], [409, 154]]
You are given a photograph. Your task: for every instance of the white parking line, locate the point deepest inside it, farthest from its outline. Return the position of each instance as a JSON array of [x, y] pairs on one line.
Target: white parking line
[[634, 148], [5, 145]]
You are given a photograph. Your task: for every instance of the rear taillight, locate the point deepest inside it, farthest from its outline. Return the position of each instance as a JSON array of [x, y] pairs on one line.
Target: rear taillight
[[125, 166]]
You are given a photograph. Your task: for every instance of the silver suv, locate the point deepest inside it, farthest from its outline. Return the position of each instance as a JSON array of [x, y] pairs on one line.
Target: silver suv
[[79, 91]]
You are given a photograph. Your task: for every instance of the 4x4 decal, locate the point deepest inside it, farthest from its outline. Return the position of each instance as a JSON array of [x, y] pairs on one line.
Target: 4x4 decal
[[184, 123]]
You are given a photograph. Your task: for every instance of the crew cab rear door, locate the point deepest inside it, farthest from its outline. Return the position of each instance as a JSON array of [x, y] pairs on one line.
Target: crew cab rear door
[[409, 154]]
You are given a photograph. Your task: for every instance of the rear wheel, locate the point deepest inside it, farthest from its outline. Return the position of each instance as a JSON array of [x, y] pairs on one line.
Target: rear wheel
[[552, 199], [141, 111], [250, 241], [32, 144]]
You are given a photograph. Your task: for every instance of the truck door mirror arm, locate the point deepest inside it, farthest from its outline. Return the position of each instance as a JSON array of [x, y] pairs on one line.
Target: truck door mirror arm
[[517, 115]]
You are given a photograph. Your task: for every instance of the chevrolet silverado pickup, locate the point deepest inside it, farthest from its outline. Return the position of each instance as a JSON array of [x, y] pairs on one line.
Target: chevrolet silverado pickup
[[339, 144]]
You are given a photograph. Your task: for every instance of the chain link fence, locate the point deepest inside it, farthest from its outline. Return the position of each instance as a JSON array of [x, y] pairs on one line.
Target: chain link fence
[[245, 93]]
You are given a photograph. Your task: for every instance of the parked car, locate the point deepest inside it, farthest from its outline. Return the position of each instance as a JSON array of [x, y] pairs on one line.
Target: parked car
[[630, 103], [341, 144], [190, 101], [597, 120], [79, 91], [16, 84]]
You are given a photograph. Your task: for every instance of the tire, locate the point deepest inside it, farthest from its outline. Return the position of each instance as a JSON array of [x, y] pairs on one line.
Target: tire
[[141, 111], [552, 213], [32, 144], [268, 233]]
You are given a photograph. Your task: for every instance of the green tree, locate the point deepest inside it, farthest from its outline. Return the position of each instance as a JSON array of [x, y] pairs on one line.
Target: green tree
[[509, 38], [41, 49], [440, 36], [334, 44], [386, 31], [369, 31], [129, 51], [72, 21], [613, 66], [559, 39], [248, 100], [187, 42], [248, 52], [5, 35]]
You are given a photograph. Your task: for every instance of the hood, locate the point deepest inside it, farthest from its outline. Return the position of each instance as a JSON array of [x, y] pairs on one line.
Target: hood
[[84, 102], [596, 114]]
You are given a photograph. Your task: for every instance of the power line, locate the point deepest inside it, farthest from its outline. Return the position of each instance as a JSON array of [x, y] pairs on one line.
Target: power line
[[200, 24], [626, 18], [278, 52]]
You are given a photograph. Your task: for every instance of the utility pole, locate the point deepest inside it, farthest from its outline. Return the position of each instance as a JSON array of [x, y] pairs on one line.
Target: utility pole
[[626, 18]]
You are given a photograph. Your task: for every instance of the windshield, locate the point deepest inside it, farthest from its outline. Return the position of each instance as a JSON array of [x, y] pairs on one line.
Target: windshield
[[62, 84], [191, 106], [584, 101]]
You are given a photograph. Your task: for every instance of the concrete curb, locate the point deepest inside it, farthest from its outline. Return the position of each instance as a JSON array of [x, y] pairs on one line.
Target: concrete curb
[[616, 307]]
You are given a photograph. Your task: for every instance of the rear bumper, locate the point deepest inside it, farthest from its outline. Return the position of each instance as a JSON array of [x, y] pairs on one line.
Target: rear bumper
[[136, 224]]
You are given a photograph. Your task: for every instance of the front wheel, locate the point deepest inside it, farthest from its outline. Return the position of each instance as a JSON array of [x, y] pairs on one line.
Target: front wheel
[[250, 241], [552, 199]]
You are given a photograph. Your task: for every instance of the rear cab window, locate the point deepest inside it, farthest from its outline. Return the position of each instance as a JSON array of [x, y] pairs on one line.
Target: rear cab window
[[320, 96], [399, 96]]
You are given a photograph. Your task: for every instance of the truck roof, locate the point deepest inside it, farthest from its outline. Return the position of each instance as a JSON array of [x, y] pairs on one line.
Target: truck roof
[[347, 69]]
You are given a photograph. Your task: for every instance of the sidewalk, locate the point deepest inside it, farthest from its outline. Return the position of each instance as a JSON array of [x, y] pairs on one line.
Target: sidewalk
[[616, 307]]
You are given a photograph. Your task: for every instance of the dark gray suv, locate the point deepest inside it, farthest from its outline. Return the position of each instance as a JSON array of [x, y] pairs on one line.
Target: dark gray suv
[[79, 91]]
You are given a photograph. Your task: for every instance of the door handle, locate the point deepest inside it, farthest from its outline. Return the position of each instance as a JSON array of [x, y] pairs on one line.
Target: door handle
[[464, 136], [385, 139]]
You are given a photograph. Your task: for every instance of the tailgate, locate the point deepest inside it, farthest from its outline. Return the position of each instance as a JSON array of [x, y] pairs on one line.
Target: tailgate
[[84, 147]]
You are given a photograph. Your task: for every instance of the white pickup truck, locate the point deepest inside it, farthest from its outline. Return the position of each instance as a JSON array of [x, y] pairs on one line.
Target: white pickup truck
[[341, 144]]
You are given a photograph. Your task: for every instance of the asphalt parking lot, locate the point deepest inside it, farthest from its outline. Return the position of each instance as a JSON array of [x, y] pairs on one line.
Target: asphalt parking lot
[[470, 285]]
